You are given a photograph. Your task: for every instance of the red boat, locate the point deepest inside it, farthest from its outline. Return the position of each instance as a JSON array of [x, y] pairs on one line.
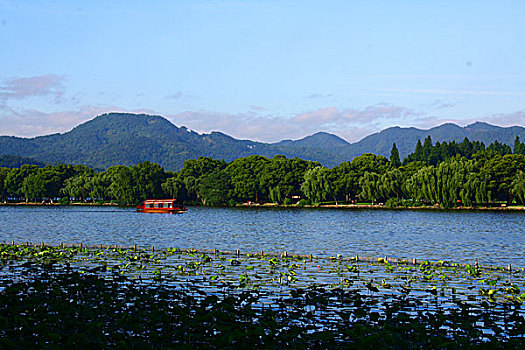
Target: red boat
[[171, 206]]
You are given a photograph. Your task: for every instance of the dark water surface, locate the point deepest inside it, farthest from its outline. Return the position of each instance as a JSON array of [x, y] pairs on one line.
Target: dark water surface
[[459, 236]]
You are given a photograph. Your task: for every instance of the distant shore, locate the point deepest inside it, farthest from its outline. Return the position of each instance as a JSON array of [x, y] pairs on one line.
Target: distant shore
[[37, 204], [385, 207], [322, 206], [427, 207]]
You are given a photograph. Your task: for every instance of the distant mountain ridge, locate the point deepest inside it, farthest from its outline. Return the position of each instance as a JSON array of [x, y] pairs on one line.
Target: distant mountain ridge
[[124, 138], [406, 138]]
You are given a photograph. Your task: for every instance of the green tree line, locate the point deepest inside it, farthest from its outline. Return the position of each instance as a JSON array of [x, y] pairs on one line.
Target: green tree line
[[466, 174], [435, 154]]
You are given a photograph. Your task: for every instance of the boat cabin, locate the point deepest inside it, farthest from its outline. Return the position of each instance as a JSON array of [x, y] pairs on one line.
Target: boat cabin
[[161, 206]]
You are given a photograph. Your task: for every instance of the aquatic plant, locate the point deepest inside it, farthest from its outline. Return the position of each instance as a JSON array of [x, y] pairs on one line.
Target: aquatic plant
[[135, 298]]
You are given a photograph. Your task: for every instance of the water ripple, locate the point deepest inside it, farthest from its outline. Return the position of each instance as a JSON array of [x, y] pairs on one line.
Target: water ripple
[[489, 237]]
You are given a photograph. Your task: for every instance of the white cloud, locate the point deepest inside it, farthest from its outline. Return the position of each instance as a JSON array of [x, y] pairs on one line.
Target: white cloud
[[439, 104], [354, 123], [508, 119], [248, 125], [25, 87], [501, 119], [322, 115], [458, 92], [318, 96], [175, 96], [350, 124]]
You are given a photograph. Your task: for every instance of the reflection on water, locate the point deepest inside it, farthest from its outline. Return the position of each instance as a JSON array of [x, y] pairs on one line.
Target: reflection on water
[[460, 236]]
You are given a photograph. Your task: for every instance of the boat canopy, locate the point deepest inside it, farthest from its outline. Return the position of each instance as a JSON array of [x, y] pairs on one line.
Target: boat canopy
[[162, 203]]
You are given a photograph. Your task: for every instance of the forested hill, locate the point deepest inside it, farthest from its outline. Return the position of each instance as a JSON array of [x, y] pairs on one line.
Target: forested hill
[[122, 138]]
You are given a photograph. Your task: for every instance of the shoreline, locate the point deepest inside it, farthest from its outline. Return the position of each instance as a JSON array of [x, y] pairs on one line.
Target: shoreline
[[428, 207], [36, 204], [322, 206], [384, 207]]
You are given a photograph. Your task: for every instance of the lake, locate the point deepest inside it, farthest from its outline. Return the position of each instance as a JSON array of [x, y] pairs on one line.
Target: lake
[[459, 236]]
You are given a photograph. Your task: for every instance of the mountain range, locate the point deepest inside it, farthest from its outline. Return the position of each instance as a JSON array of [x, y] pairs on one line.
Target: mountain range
[[124, 138]]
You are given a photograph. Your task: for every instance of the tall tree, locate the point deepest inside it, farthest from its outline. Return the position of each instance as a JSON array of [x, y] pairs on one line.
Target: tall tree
[[346, 181], [148, 178], [215, 187], [276, 195], [193, 172], [427, 148], [466, 148], [500, 172], [394, 156], [77, 187], [15, 178], [500, 148], [245, 176], [417, 155], [519, 147]]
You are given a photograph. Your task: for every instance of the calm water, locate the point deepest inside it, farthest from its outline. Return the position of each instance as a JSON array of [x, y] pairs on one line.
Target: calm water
[[490, 237]]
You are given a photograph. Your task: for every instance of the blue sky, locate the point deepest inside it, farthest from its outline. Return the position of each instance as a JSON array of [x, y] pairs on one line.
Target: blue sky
[[262, 70]]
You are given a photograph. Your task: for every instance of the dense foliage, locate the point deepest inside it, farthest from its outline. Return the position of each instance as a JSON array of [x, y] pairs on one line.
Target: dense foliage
[[447, 174], [435, 154]]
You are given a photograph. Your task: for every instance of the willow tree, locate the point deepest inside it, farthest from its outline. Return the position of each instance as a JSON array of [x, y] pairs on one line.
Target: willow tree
[[390, 184], [122, 186], [369, 184], [174, 187], [422, 185], [455, 177], [317, 185], [518, 186], [78, 186]]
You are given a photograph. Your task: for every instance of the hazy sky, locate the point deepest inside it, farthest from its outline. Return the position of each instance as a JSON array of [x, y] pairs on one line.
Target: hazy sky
[[262, 70]]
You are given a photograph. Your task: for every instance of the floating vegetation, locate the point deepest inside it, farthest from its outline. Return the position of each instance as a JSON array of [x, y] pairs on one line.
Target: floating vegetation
[[135, 298]]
